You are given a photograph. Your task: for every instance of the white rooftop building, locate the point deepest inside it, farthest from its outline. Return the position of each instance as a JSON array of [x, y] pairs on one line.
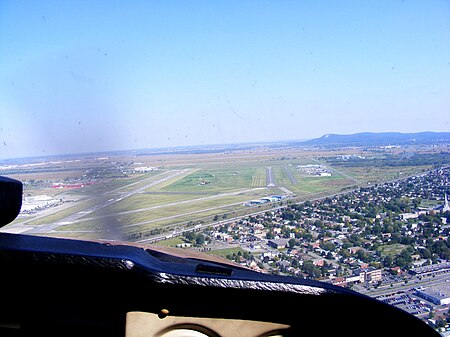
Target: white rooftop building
[[437, 294]]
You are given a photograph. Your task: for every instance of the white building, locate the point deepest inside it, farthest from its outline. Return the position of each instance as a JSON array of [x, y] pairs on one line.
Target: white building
[[438, 294], [144, 169], [37, 202]]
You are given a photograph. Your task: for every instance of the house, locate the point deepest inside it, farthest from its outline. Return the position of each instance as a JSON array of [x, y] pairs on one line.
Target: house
[[318, 262], [354, 250], [396, 270], [406, 216], [339, 281]]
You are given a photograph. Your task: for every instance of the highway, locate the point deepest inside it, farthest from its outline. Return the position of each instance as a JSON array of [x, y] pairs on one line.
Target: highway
[[402, 286]]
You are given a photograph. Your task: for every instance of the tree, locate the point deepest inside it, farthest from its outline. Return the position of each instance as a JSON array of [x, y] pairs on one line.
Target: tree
[[190, 236], [200, 239], [310, 269], [318, 223], [441, 249], [441, 323], [344, 253], [286, 232], [292, 243], [417, 202], [401, 262], [425, 253], [329, 246], [270, 236], [387, 262], [363, 256]]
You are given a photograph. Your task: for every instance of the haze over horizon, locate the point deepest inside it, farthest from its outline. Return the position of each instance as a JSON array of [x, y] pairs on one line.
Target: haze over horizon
[[90, 77], [205, 147]]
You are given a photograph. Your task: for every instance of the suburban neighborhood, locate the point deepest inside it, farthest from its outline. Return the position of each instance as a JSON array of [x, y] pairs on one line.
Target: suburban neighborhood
[[390, 241]]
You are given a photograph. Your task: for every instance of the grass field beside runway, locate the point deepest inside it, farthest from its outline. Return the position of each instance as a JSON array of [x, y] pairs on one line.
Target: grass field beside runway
[[172, 213]]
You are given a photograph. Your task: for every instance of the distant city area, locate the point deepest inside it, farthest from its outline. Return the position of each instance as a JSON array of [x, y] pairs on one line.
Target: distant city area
[[375, 219]]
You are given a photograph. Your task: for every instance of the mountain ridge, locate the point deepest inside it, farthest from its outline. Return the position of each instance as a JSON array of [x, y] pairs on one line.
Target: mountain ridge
[[380, 139]]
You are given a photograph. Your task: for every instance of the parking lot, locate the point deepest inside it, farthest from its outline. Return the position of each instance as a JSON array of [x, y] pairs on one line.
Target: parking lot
[[407, 301]]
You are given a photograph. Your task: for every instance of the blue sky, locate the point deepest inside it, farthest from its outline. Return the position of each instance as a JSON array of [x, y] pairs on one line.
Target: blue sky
[[85, 76]]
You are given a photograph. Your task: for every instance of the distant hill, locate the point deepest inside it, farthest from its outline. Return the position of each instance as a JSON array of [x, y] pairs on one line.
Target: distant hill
[[380, 139]]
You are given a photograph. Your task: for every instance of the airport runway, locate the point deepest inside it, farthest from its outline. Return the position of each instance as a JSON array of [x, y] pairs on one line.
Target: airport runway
[[270, 180], [47, 228]]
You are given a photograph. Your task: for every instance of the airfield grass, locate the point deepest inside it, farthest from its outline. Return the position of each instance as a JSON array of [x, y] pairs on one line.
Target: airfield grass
[[140, 201], [86, 236], [171, 211], [320, 184], [162, 186], [144, 200], [379, 174], [281, 177], [218, 179], [143, 227], [234, 178], [167, 214], [178, 220], [141, 181], [259, 177]]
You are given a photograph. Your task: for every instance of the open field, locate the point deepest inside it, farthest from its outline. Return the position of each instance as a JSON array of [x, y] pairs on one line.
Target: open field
[[392, 250], [46, 175], [377, 174], [220, 179], [226, 251], [312, 185]]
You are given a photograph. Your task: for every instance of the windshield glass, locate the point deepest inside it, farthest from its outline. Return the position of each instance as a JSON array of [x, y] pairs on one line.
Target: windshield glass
[[298, 138]]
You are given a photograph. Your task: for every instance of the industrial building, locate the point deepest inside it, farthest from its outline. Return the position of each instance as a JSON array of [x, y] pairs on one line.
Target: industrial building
[[438, 295]]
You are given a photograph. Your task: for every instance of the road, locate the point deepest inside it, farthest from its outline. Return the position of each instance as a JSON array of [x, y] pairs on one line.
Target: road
[[402, 286]]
